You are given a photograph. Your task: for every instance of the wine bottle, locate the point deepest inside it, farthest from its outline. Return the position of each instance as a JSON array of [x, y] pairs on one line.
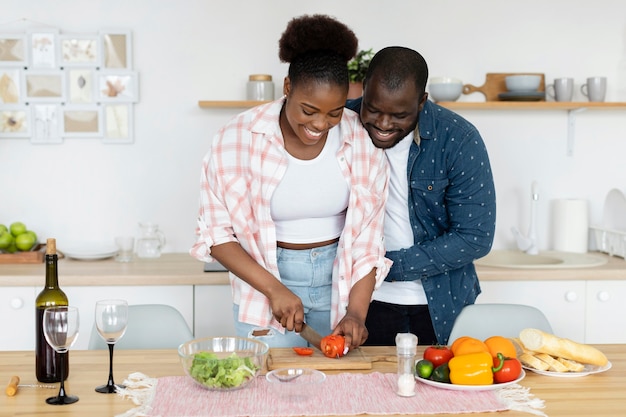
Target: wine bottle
[[47, 361]]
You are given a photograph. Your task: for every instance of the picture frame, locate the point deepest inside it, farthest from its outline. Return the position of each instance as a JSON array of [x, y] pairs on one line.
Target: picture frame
[[13, 50], [118, 86], [11, 86], [118, 123], [44, 86], [45, 123], [116, 49], [15, 121], [43, 48], [81, 121], [79, 50], [81, 85]]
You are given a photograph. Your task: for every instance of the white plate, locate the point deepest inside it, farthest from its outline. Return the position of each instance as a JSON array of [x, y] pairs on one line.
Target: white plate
[[89, 251], [614, 215], [456, 387], [589, 369]]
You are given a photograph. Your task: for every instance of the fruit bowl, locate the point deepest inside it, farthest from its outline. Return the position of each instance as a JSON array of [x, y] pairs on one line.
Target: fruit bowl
[[223, 363]]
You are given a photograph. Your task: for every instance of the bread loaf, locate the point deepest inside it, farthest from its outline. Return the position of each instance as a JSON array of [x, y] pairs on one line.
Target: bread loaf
[[539, 341], [532, 362]]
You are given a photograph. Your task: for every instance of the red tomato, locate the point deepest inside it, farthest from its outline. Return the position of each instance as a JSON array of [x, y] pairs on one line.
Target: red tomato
[[506, 369], [303, 351], [438, 355], [333, 346]]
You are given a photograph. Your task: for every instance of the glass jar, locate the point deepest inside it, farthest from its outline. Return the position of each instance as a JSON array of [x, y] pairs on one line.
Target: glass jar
[[260, 87], [150, 241], [406, 347]]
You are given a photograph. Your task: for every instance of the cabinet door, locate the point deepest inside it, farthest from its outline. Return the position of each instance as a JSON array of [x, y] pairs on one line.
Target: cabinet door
[[213, 311], [606, 312], [563, 302], [17, 309], [178, 296]]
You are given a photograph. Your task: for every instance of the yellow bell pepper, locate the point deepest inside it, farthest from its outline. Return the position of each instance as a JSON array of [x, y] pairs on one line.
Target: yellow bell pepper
[[471, 369]]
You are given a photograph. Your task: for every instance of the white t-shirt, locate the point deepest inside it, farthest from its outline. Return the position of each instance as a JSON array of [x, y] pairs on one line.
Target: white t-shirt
[[398, 231]]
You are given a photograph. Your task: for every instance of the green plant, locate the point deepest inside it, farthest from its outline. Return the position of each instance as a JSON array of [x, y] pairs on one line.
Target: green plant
[[357, 67]]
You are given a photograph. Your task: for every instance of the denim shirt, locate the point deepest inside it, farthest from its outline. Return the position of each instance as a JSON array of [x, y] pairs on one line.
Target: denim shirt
[[452, 209]]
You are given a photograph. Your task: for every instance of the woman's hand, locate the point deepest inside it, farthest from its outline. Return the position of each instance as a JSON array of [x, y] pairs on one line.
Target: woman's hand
[[353, 329], [286, 307]]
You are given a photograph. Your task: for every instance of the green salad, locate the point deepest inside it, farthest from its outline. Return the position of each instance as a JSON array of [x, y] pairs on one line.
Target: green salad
[[229, 372]]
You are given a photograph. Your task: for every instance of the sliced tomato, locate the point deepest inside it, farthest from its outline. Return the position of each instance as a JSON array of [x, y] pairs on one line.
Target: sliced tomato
[[303, 351], [333, 346]]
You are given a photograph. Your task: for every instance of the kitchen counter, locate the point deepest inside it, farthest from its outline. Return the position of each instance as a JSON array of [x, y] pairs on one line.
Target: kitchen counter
[[182, 269], [598, 395]]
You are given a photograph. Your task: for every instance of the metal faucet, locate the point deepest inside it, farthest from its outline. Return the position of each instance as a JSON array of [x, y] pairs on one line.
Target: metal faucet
[[528, 243]]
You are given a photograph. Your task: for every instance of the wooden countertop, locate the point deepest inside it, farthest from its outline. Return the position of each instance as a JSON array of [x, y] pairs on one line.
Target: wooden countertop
[[182, 269], [598, 395]]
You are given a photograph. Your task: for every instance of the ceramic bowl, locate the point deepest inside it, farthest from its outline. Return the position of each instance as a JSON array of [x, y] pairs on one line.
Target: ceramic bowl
[[445, 88], [223, 363], [295, 384], [521, 83]]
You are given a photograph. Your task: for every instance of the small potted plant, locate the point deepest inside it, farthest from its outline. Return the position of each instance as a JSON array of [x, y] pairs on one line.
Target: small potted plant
[[357, 67]]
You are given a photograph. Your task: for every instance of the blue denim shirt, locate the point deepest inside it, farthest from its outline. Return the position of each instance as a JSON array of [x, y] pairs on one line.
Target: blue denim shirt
[[452, 209]]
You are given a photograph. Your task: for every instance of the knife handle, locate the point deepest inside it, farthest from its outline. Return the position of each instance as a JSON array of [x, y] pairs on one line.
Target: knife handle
[[11, 389]]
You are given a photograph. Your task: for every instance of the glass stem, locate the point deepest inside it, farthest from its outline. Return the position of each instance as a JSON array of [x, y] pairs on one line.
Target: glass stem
[[62, 372], [110, 383]]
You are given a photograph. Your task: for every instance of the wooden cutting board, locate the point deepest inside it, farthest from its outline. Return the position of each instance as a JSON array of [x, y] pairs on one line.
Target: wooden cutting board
[[287, 358], [495, 84]]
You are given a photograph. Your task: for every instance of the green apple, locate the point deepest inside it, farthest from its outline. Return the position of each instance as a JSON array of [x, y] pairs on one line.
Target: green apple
[[17, 228], [3, 229], [12, 248], [24, 242], [6, 239], [33, 234]]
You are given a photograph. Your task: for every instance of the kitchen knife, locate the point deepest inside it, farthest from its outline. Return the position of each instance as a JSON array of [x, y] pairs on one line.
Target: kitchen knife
[[311, 336]]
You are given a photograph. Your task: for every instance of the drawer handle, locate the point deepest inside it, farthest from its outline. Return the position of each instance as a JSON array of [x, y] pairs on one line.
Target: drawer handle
[[17, 303], [604, 296], [571, 296]]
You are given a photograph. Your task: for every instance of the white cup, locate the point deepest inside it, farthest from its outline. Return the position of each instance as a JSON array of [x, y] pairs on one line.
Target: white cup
[[562, 89], [594, 89], [125, 248]]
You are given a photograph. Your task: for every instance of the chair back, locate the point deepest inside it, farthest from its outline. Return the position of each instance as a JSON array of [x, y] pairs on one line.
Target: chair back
[[485, 320], [150, 326]]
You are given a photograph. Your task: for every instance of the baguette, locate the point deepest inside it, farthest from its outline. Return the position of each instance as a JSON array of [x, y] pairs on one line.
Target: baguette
[[542, 342], [533, 362], [554, 365], [571, 365]]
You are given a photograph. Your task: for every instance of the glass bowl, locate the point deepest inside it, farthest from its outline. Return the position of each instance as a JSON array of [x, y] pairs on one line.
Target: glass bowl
[[223, 363], [295, 384]]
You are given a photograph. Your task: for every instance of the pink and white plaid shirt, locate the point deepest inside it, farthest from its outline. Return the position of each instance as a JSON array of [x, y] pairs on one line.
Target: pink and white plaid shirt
[[245, 163]]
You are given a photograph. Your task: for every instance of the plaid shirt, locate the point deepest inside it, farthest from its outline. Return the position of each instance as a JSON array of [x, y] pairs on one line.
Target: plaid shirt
[[241, 171]]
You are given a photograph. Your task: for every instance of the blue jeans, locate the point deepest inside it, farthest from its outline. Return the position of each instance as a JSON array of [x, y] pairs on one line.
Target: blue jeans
[[308, 274]]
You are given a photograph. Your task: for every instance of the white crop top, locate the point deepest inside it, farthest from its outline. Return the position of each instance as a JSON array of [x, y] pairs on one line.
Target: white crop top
[[309, 205]]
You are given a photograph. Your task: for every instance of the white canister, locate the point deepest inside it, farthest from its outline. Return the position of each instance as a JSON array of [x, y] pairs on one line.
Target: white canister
[[570, 225], [260, 87]]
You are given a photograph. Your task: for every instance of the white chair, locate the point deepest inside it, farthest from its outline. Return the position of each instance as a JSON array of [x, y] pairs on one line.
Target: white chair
[[150, 326], [485, 320]]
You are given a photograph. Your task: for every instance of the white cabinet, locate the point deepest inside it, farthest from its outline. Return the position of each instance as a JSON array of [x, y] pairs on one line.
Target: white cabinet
[[17, 309], [563, 302], [213, 311], [606, 312], [178, 296]]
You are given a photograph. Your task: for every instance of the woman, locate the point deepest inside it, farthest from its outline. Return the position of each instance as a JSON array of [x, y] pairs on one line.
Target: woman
[[292, 199]]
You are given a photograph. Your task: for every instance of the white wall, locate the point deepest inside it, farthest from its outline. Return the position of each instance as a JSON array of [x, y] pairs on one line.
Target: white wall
[[190, 50]]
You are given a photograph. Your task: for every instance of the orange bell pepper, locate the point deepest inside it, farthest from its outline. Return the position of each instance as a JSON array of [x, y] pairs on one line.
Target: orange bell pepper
[[501, 344], [471, 369], [468, 345]]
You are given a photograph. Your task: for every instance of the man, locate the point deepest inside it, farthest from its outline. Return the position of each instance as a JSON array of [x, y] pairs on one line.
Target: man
[[441, 211]]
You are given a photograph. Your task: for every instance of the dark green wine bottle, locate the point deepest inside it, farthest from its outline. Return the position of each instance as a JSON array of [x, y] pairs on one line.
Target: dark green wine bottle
[[47, 360]]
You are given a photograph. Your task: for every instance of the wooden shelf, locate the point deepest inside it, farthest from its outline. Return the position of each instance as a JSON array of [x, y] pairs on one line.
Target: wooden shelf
[[530, 105]]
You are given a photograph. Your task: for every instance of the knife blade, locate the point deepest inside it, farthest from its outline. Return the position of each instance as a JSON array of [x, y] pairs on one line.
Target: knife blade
[[310, 335]]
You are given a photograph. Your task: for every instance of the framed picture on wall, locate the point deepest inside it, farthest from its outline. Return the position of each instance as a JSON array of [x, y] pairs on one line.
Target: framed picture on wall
[[79, 50], [42, 47], [119, 86], [116, 49], [10, 86], [81, 121], [14, 121], [45, 123], [81, 86], [13, 50], [118, 123], [41, 85]]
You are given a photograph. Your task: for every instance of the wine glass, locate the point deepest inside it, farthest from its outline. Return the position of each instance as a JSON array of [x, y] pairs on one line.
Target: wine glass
[[60, 328], [111, 321]]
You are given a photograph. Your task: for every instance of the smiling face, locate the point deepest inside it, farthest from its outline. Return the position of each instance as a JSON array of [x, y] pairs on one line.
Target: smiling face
[[389, 115], [312, 108]]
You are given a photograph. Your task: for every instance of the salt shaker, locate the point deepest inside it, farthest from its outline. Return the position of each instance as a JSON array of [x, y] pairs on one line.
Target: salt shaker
[[260, 87], [406, 348]]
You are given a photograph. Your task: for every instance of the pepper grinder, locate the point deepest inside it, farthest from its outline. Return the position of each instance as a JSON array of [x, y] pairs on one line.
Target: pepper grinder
[[406, 348]]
